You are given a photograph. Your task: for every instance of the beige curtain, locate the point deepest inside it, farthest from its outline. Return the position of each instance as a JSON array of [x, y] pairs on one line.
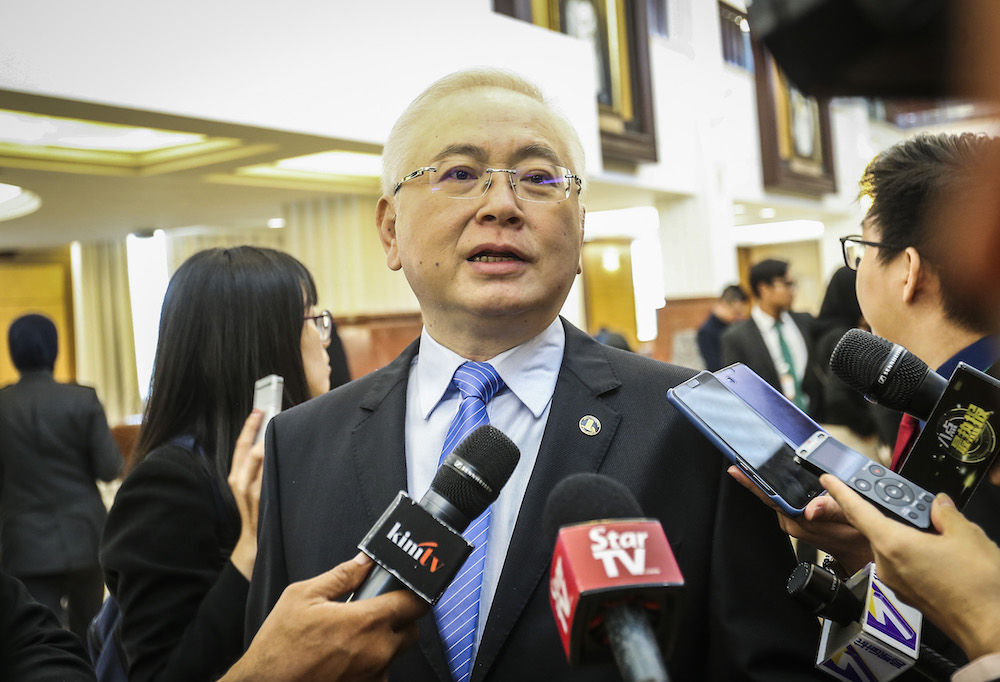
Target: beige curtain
[[182, 244], [105, 345], [335, 237]]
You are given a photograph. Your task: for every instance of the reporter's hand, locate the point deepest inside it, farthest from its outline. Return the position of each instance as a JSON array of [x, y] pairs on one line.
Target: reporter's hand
[[309, 636], [822, 524], [245, 475], [953, 577]]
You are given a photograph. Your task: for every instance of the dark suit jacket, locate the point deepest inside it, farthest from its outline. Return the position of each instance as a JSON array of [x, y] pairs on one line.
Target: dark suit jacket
[[743, 342], [54, 444], [335, 463], [32, 645], [165, 554]]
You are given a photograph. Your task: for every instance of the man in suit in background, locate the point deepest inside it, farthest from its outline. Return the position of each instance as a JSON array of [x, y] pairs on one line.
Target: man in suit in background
[[731, 307], [481, 210], [775, 342], [55, 443]]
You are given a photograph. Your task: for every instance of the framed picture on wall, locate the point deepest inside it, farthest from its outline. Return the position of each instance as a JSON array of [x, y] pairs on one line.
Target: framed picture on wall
[[795, 137], [618, 33]]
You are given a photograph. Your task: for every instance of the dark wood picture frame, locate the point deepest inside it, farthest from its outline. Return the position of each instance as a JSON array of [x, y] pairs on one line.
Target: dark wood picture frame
[[796, 142], [625, 97]]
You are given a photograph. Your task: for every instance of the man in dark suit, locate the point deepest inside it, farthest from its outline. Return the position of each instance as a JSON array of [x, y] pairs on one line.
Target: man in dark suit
[[486, 223], [731, 307], [775, 342], [55, 443]]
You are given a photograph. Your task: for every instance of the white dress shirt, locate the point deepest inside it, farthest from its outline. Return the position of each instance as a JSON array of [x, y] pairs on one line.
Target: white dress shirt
[[793, 337], [529, 372]]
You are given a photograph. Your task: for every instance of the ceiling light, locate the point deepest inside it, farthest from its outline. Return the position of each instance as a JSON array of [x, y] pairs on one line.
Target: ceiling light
[[767, 213], [335, 163], [22, 128], [276, 223], [777, 233], [16, 202]]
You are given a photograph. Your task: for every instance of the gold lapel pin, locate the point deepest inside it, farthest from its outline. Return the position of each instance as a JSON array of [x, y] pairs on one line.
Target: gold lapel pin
[[590, 425]]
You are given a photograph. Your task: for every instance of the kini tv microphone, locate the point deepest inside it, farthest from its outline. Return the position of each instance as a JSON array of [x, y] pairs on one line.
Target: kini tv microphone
[[868, 633], [614, 582], [959, 444], [420, 546]]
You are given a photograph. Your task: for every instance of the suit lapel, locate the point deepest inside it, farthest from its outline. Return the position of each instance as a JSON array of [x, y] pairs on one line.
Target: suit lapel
[[378, 447], [585, 374]]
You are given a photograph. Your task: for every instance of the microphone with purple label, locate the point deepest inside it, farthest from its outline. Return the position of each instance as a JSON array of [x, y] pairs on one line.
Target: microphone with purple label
[[869, 634]]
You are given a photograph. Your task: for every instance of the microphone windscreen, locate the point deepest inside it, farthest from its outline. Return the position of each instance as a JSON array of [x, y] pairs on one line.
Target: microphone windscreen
[[587, 497], [858, 360], [487, 458]]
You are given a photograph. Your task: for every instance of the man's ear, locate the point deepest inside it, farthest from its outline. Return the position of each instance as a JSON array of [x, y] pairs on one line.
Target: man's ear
[[916, 274], [385, 223]]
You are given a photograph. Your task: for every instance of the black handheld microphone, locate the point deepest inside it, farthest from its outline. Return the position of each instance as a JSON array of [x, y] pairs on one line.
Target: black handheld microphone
[[824, 594], [614, 582], [420, 546], [959, 444], [887, 374]]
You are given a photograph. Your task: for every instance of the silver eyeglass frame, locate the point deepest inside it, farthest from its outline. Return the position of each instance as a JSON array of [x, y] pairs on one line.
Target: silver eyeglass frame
[[511, 172]]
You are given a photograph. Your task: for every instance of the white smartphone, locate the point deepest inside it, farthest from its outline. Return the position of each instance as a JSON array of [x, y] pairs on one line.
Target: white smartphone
[[267, 395]]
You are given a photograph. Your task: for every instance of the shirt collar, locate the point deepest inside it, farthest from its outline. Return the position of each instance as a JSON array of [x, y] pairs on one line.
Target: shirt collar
[[980, 355], [529, 370], [765, 321]]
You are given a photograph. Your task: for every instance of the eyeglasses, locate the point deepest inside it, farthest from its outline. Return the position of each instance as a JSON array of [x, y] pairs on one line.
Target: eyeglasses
[[324, 323], [463, 179], [854, 249]]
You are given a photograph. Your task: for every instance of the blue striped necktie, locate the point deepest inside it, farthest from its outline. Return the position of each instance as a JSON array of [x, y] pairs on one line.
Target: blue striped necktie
[[457, 612]]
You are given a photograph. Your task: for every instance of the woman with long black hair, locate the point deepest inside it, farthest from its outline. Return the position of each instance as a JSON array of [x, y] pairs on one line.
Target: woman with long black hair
[[180, 541]]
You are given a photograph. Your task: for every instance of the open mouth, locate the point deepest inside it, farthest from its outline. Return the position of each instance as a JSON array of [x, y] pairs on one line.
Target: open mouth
[[494, 257]]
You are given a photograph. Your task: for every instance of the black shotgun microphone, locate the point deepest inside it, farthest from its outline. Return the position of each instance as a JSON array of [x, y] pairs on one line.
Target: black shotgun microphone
[[420, 546], [887, 374]]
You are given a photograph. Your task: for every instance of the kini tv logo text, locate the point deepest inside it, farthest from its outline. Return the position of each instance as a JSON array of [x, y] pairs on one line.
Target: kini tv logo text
[[423, 552]]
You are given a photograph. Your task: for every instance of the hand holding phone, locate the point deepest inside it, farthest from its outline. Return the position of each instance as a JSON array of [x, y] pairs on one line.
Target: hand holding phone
[[890, 492], [267, 395]]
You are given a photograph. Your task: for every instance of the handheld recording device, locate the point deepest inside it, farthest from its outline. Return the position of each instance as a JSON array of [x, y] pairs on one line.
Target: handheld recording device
[[747, 440], [958, 445], [777, 410], [267, 394], [890, 492]]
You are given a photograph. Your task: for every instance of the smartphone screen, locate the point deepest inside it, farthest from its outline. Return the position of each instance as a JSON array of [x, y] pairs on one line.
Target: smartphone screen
[[958, 445], [747, 439], [791, 422]]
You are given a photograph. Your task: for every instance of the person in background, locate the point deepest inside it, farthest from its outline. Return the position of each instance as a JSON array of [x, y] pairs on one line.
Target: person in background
[[54, 445], [481, 210], [775, 342], [180, 541], [730, 307]]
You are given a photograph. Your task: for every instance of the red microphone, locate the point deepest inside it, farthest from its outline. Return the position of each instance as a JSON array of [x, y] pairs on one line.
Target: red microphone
[[614, 582]]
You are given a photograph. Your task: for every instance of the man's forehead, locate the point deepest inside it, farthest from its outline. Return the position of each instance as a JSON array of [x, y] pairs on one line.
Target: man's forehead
[[485, 122]]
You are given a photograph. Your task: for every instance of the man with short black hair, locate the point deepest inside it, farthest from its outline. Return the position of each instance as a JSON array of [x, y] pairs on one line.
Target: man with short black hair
[[729, 308], [775, 342]]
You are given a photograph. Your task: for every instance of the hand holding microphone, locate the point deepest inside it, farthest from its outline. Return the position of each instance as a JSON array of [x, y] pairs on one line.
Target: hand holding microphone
[[614, 582], [952, 577], [420, 546]]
